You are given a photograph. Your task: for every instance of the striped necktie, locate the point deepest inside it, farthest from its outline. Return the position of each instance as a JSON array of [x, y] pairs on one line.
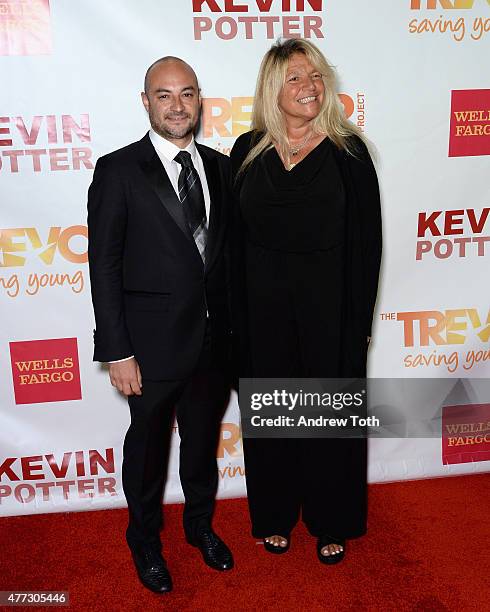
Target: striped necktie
[[192, 198]]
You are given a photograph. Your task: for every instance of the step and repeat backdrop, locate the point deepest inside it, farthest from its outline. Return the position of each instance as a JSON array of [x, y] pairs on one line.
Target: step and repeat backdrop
[[411, 76]]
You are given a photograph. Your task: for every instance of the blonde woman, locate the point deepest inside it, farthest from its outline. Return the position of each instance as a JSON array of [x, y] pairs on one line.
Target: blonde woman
[[306, 257]]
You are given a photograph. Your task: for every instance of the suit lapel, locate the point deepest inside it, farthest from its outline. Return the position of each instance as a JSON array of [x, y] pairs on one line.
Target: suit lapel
[[154, 172], [215, 193]]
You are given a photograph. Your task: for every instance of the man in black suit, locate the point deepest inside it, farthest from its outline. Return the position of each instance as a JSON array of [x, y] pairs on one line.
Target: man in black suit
[[157, 215]]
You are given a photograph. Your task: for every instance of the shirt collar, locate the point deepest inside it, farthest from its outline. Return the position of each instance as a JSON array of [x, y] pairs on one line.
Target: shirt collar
[[168, 149]]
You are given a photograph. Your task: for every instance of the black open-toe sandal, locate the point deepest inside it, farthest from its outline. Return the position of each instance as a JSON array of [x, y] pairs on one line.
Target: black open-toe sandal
[[332, 558], [277, 550]]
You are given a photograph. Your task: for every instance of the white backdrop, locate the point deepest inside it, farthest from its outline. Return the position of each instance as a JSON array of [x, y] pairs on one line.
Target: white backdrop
[[410, 74]]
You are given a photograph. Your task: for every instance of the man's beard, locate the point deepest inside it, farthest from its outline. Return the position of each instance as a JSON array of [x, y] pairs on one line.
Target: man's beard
[[170, 132]]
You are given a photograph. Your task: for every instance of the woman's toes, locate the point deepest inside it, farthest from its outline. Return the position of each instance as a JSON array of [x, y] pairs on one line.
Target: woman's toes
[[276, 541], [331, 549]]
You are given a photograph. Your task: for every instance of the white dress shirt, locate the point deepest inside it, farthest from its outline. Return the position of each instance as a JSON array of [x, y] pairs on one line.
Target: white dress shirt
[[166, 151]]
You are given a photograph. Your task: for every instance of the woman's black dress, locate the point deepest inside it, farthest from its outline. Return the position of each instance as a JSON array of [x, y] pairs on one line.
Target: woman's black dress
[[293, 267]]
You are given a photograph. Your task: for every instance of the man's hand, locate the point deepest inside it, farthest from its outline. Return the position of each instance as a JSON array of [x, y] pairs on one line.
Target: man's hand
[[126, 376]]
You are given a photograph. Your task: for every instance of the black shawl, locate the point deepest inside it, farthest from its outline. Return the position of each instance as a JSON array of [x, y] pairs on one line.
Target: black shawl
[[362, 256]]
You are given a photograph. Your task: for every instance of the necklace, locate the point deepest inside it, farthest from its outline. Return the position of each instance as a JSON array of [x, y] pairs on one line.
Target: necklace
[[296, 149]]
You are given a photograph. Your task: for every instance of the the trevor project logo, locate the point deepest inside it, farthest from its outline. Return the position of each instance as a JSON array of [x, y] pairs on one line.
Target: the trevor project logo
[[45, 370], [470, 123], [25, 27]]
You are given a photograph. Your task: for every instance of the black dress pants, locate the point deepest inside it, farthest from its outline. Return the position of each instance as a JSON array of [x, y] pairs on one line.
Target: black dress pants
[[295, 332], [199, 404]]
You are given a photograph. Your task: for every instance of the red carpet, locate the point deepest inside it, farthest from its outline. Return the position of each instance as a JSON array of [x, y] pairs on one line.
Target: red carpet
[[427, 550]]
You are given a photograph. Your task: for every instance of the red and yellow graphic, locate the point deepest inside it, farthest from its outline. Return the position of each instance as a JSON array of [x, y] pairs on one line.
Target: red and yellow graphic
[[430, 333], [445, 4], [249, 19], [82, 474], [442, 328], [227, 117], [22, 246], [465, 433], [470, 123], [357, 107], [19, 242], [230, 117], [459, 26], [458, 233], [25, 27], [28, 143], [45, 370]]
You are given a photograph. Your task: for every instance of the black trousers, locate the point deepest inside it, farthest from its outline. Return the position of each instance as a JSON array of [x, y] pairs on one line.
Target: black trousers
[[323, 481], [198, 403], [294, 310]]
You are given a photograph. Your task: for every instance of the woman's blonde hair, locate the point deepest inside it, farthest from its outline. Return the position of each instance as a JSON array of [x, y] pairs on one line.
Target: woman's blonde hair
[[267, 118]]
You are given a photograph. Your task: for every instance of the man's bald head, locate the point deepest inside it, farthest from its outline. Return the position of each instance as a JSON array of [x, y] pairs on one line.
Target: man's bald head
[[164, 60], [172, 99]]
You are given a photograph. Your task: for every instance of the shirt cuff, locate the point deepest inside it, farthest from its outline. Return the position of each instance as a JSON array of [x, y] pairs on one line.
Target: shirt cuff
[[119, 360]]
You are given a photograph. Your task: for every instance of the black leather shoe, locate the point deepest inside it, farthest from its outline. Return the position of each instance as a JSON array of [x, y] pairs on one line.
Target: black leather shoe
[[214, 551], [152, 570]]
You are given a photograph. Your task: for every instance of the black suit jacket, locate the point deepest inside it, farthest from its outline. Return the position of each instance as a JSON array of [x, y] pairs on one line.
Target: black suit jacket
[[150, 289]]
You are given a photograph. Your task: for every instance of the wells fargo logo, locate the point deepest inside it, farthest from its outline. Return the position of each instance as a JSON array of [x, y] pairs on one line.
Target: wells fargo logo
[[432, 328], [25, 144], [456, 26], [452, 233], [28, 245], [230, 117], [25, 27], [249, 19], [465, 433], [77, 474], [470, 123], [45, 370]]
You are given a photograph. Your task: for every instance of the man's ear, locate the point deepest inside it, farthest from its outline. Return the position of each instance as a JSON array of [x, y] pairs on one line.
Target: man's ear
[[146, 102]]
